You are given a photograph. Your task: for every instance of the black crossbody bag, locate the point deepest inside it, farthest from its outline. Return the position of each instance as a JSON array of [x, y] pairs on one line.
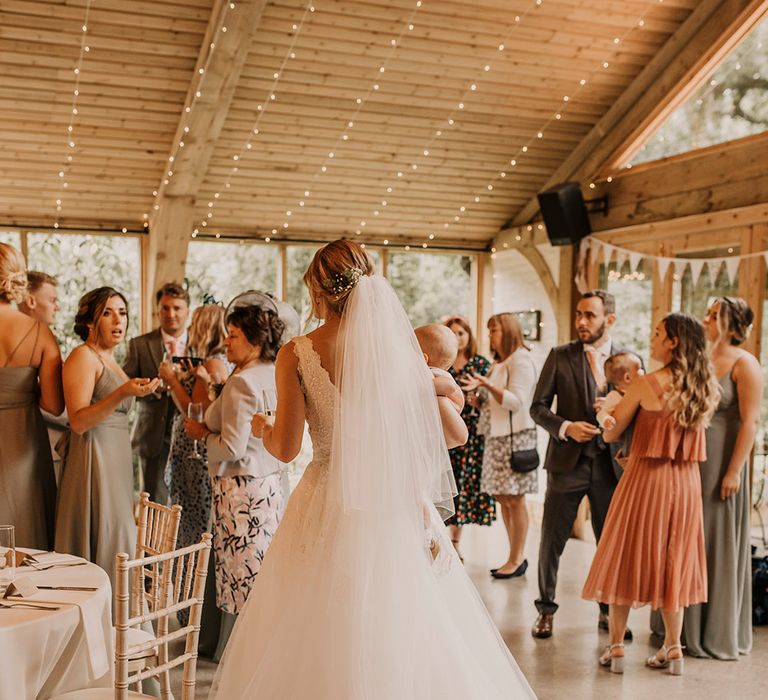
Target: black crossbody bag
[[522, 461]]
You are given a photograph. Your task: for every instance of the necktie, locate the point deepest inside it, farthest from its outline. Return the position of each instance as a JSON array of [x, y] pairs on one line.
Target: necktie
[[173, 346], [595, 360]]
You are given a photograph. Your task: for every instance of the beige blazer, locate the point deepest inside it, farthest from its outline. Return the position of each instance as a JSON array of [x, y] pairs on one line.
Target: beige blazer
[[517, 374]]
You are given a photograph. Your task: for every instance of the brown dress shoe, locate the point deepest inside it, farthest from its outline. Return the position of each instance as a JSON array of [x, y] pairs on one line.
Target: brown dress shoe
[[542, 628]]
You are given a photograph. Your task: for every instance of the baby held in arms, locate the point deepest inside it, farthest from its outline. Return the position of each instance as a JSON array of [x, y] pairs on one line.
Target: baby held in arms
[[621, 370], [440, 347]]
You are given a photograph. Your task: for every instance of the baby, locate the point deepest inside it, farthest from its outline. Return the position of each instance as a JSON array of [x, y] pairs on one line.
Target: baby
[[621, 370], [439, 346]]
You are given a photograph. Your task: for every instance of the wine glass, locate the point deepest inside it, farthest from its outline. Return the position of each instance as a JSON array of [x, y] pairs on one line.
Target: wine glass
[[7, 556], [268, 402], [195, 412]]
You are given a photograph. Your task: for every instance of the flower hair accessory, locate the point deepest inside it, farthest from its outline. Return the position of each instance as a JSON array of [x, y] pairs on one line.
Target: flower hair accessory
[[343, 281]]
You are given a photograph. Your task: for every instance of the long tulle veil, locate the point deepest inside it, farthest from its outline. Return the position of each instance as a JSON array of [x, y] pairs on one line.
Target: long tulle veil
[[388, 452]]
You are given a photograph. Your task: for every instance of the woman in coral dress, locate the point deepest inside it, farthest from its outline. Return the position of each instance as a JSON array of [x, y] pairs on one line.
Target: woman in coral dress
[[652, 548]]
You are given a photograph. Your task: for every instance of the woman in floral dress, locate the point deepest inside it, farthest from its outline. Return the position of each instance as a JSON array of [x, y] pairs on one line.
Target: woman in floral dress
[[473, 506]]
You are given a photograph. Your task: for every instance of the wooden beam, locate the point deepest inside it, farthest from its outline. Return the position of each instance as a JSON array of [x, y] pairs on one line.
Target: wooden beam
[[723, 177], [711, 29], [172, 221]]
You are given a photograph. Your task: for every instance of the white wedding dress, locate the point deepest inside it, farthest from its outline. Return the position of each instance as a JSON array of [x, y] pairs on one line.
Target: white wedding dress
[[349, 604]]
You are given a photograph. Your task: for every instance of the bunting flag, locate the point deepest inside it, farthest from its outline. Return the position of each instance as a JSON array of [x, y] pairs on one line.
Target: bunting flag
[[661, 266], [592, 246]]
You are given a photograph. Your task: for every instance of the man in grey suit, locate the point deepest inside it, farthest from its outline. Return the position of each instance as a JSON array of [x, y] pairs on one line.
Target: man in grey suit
[[151, 437], [578, 462]]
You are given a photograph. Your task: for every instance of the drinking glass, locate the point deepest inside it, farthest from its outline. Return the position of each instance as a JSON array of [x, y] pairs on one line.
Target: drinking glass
[[269, 401], [195, 412], [7, 556]]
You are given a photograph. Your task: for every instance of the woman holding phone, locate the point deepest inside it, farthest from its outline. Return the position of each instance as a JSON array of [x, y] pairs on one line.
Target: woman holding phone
[[186, 474]]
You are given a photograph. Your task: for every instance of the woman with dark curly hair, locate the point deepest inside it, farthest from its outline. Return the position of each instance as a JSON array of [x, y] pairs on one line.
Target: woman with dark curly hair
[[247, 491], [94, 515], [30, 379], [473, 506]]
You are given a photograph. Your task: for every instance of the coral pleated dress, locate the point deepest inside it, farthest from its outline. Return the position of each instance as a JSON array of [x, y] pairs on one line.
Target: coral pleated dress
[[652, 548]]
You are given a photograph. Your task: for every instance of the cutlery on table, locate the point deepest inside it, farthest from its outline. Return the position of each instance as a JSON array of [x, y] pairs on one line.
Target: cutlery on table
[[27, 606]]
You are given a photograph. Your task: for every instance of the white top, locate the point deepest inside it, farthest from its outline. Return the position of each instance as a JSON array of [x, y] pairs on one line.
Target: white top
[[610, 403], [517, 374], [232, 449]]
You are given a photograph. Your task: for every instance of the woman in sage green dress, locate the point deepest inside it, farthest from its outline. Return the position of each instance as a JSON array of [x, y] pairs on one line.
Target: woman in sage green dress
[[95, 513], [722, 627], [30, 378]]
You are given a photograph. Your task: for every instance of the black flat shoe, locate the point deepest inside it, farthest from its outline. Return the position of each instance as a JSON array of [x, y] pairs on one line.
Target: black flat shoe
[[519, 571]]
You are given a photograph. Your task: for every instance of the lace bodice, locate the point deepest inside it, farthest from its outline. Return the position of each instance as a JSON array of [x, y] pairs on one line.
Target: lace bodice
[[319, 394]]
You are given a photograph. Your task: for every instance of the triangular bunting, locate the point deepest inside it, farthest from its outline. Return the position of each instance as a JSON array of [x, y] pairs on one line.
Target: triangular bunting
[[696, 268], [732, 268], [634, 261], [621, 258], [607, 253], [662, 264]]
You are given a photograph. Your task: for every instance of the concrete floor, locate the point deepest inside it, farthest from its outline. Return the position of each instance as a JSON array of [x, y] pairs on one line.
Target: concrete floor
[[565, 666]]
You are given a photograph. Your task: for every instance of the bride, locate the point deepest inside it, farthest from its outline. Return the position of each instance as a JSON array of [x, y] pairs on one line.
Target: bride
[[361, 596]]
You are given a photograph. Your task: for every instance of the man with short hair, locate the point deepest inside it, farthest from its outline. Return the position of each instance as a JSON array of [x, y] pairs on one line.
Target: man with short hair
[[578, 462], [151, 437], [42, 299]]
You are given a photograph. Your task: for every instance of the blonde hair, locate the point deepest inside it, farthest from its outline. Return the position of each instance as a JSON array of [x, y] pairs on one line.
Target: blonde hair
[[511, 335], [13, 274], [438, 343], [207, 330], [694, 392], [333, 274]]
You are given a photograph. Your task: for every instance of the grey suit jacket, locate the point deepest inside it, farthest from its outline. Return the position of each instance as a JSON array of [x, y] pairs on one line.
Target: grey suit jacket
[[565, 376], [153, 422]]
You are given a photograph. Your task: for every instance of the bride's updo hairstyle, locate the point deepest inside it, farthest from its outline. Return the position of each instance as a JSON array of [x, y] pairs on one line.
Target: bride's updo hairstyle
[[734, 316], [13, 274], [334, 272]]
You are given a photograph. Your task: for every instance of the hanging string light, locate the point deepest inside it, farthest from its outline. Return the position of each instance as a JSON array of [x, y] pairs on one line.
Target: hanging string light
[[558, 115], [261, 110], [194, 94], [71, 144]]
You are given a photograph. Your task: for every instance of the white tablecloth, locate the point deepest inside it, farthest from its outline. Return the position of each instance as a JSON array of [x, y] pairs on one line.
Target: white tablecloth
[[46, 653]]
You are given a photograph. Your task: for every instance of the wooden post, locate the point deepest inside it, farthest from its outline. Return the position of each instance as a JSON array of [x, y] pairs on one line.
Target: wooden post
[[484, 306], [752, 280]]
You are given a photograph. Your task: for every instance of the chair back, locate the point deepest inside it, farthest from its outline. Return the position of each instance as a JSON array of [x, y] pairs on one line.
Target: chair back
[[182, 584], [157, 530]]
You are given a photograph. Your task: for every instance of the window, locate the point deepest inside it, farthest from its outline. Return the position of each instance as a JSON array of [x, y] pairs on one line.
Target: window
[[11, 238], [431, 286], [227, 269], [695, 298], [297, 295], [84, 262], [732, 103], [633, 291]]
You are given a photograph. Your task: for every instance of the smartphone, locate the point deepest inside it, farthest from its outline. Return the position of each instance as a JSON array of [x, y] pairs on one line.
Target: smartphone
[[194, 361]]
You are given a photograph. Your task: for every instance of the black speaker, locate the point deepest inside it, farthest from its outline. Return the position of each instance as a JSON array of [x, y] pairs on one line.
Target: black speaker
[[565, 214]]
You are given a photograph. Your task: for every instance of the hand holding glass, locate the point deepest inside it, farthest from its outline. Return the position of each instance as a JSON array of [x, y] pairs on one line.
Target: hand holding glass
[[195, 412], [269, 402]]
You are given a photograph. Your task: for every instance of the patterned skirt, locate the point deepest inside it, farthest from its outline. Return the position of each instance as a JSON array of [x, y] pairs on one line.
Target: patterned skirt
[[246, 513], [498, 478]]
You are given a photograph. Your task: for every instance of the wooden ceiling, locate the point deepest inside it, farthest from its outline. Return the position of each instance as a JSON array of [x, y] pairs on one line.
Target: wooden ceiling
[[144, 59]]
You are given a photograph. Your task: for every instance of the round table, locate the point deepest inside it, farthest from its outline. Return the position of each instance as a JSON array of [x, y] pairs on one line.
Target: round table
[[49, 652]]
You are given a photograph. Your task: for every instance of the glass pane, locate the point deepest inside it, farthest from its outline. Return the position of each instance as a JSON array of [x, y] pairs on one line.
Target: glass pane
[[81, 263], [432, 286], [633, 292], [695, 299], [297, 295], [11, 238], [732, 103], [227, 269]]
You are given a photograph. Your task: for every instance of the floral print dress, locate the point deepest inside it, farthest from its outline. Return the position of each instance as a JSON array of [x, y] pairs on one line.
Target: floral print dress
[[473, 506]]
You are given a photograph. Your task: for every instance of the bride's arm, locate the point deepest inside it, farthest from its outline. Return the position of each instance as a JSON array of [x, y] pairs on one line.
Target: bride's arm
[[282, 434]]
